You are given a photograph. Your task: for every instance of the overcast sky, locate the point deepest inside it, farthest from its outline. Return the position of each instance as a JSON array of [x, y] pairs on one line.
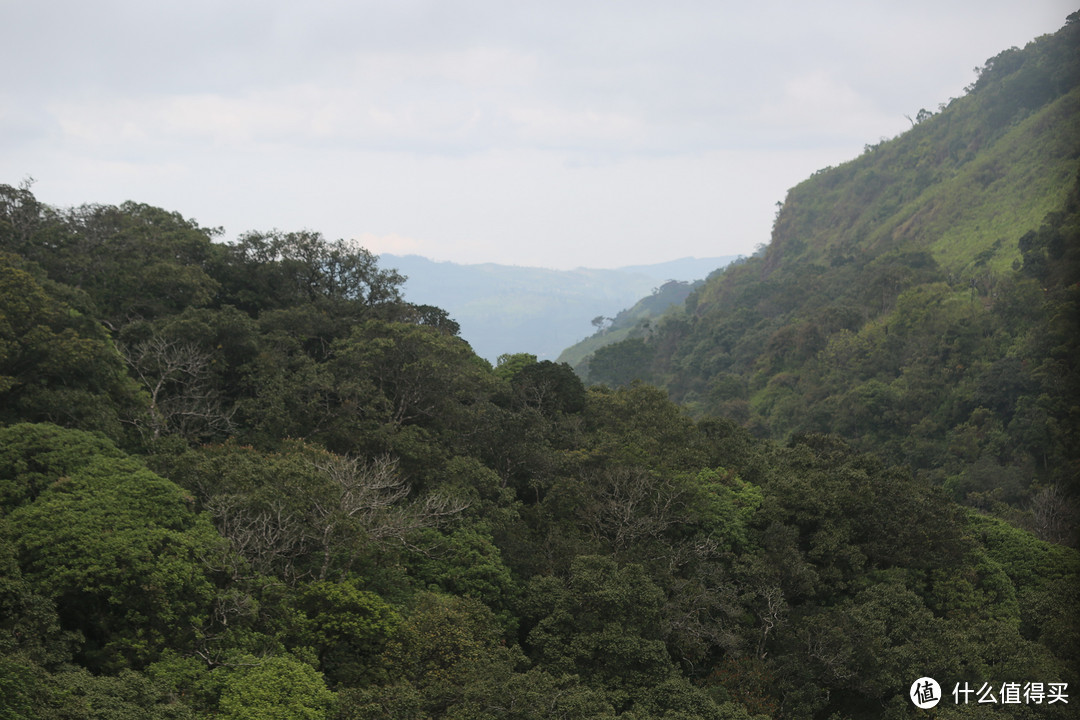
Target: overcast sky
[[558, 134]]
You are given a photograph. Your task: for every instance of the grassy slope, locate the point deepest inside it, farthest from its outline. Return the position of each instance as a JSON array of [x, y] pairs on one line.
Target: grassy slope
[[996, 198], [964, 184]]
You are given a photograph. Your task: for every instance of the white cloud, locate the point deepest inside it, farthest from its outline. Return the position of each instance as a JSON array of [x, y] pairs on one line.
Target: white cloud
[[570, 132], [818, 106], [570, 128]]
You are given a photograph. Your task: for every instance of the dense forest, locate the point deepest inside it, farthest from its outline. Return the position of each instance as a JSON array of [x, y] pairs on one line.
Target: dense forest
[[248, 480], [632, 320], [919, 301]]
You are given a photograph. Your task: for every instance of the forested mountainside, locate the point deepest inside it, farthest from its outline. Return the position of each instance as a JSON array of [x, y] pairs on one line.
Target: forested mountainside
[[919, 301], [634, 319], [248, 480]]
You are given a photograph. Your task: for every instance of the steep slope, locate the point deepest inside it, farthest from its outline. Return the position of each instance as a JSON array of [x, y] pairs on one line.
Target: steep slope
[[919, 300], [635, 319], [970, 179]]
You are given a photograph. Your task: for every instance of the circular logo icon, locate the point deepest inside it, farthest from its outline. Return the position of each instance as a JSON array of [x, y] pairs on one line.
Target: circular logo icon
[[925, 693]]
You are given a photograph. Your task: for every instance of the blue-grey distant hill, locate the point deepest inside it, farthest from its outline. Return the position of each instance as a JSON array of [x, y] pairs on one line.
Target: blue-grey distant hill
[[511, 309]]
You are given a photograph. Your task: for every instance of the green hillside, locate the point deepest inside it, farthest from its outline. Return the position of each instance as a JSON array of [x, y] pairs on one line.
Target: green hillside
[[250, 480], [963, 184], [919, 300], [637, 318]]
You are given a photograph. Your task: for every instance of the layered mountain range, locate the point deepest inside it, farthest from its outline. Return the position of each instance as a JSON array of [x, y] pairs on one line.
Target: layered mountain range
[[509, 308]]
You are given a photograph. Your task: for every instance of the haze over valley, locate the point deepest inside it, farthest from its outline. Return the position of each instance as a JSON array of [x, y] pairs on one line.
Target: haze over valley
[[510, 309]]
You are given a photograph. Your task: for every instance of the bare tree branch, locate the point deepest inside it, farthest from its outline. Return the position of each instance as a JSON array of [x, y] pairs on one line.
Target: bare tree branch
[[178, 379]]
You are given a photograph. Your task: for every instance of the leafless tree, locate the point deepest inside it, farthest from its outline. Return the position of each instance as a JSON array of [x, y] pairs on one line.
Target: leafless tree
[[270, 537], [1054, 515], [831, 650], [631, 505], [700, 614], [771, 612], [373, 496], [348, 503], [178, 378]]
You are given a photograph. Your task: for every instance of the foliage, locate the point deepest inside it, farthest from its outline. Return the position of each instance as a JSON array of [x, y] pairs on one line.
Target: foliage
[[279, 688], [919, 301], [56, 365], [249, 480], [133, 260], [119, 551], [266, 271], [602, 620], [347, 627], [668, 298]]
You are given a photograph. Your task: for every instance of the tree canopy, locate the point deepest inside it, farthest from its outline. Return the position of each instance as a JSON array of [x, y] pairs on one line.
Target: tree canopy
[[250, 480]]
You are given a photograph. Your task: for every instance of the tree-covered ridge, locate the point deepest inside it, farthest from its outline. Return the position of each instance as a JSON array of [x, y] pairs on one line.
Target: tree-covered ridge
[[636, 318], [920, 301], [249, 481], [292, 494]]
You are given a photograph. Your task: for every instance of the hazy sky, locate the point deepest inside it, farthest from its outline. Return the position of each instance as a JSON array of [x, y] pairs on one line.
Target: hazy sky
[[559, 134]]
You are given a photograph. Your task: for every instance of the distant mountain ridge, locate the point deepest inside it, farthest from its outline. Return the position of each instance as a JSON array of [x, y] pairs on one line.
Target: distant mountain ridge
[[515, 309]]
